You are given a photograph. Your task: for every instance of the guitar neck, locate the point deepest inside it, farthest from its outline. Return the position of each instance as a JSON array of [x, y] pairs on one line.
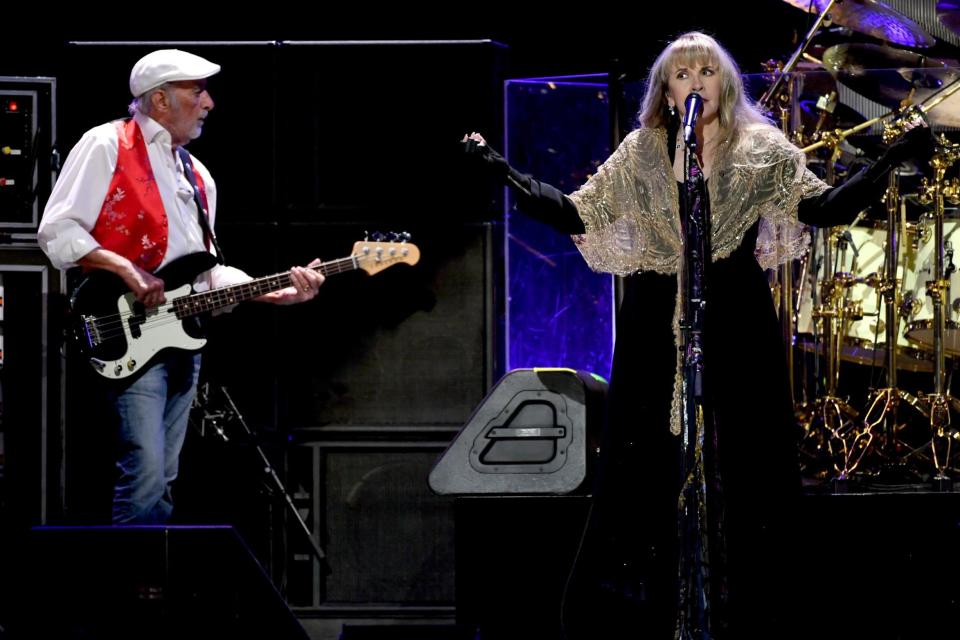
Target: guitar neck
[[207, 301]]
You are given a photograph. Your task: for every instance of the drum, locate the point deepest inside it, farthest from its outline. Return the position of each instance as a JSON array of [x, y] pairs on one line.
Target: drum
[[858, 255], [919, 270]]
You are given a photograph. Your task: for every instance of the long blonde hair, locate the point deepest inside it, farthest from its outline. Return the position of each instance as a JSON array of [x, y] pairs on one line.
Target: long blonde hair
[[691, 49]]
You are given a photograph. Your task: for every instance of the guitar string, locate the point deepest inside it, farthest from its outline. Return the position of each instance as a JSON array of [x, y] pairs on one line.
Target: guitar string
[[111, 326], [110, 322]]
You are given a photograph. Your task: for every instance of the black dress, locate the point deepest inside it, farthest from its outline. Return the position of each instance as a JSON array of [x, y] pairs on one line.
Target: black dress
[[632, 547]]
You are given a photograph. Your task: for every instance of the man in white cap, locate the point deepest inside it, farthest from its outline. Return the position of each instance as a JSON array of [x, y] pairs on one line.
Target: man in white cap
[[126, 202]]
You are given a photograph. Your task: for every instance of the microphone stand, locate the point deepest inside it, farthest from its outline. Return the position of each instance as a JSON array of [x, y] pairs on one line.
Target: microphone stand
[[231, 414], [701, 554]]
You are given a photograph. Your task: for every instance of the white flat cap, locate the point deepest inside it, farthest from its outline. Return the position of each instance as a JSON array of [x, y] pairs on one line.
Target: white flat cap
[[168, 65]]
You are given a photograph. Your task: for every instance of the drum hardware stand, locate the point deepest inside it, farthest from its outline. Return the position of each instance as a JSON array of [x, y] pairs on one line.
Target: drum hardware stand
[[830, 420], [884, 403], [218, 418], [939, 403]]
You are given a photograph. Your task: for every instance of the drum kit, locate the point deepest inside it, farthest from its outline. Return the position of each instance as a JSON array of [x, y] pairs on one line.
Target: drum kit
[[881, 295]]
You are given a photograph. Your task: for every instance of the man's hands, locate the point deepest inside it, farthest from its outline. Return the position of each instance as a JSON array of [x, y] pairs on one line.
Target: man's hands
[[147, 288], [305, 280]]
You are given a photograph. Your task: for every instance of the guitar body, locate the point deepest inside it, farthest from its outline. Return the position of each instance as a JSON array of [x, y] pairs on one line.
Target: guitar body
[[118, 335]]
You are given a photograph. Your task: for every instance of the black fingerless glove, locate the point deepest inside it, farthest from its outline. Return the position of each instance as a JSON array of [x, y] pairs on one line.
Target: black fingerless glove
[[483, 156], [917, 144], [538, 200], [841, 205]]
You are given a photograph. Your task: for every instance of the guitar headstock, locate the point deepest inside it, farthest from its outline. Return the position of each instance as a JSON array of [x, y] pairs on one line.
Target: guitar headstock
[[376, 255]]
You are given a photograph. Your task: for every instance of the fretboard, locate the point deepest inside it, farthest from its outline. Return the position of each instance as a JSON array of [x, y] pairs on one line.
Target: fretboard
[[214, 299]]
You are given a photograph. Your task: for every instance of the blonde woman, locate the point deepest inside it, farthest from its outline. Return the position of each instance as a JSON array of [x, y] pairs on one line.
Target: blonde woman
[[626, 220]]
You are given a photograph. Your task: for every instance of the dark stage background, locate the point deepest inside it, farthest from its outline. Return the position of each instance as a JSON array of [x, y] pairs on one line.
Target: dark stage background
[[543, 39], [315, 140]]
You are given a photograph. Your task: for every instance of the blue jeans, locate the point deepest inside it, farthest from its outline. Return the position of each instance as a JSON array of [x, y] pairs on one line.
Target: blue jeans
[[153, 411]]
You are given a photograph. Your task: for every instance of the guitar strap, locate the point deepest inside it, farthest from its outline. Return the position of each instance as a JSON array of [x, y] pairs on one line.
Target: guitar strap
[[201, 210]]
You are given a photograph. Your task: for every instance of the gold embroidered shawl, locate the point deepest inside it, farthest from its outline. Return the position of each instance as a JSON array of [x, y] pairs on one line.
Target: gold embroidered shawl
[[630, 206]]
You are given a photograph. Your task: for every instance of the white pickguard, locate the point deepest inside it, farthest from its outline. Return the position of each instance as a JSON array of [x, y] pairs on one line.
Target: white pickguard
[[161, 330]]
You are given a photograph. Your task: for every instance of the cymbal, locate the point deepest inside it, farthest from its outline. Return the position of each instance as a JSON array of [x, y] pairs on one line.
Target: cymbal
[[872, 18], [948, 12], [887, 75]]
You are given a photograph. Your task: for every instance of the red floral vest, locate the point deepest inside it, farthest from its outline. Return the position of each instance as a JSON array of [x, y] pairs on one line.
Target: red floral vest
[[132, 220]]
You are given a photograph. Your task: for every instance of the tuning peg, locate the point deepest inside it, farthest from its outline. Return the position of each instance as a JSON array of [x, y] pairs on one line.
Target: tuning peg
[[376, 236]]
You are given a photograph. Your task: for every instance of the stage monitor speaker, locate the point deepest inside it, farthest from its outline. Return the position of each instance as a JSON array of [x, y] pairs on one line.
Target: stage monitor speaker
[[536, 432], [146, 582]]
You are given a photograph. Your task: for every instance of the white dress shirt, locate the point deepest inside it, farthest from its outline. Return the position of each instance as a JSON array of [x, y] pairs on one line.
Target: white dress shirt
[[77, 198]]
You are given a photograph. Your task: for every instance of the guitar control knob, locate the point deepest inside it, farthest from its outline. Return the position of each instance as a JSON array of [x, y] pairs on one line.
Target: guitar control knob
[[117, 370], [131, 364]]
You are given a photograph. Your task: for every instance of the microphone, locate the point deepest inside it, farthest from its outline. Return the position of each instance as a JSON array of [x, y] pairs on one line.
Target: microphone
[[694, 107]]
